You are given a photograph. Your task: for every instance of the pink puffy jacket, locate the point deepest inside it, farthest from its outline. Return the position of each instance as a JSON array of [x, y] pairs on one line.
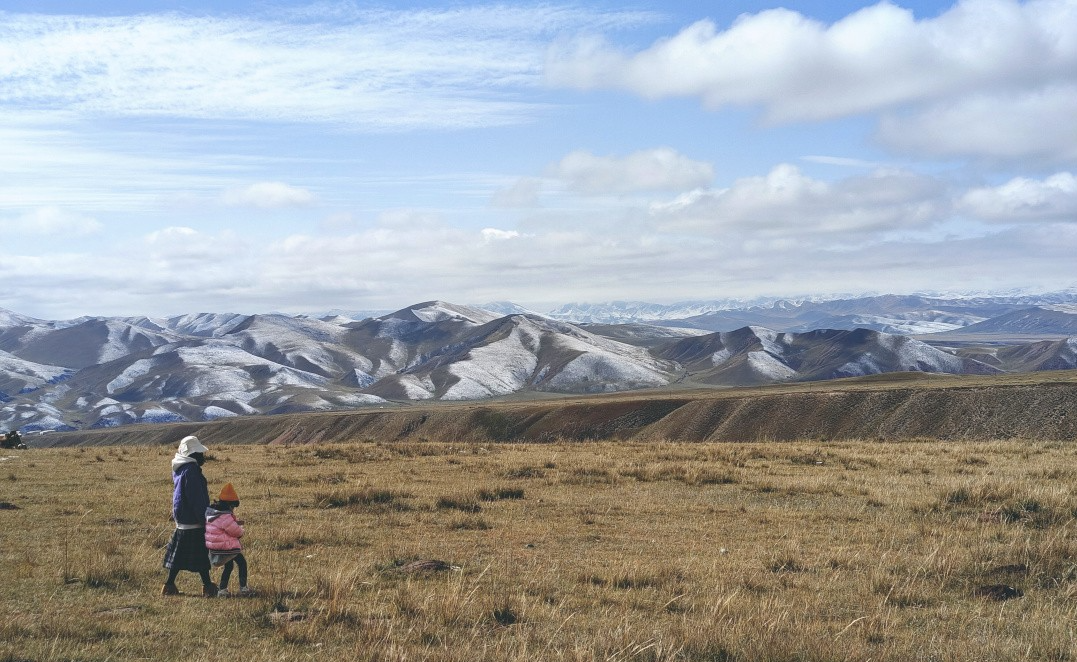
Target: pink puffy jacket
[[222, 530]]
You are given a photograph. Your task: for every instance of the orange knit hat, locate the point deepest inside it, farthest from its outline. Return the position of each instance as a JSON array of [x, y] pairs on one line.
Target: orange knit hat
[[228, 493]]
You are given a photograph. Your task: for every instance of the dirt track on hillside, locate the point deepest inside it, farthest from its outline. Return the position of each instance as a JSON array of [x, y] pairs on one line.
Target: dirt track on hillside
[[984, 410]]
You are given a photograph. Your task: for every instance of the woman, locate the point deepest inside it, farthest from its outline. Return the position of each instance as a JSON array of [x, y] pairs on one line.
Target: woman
[[187, 549]]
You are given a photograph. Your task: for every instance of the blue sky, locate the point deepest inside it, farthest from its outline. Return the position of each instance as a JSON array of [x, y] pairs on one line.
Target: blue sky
[[161, 158]]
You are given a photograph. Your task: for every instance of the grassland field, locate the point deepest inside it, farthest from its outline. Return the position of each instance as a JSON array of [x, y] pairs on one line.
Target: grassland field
[[563, 551]]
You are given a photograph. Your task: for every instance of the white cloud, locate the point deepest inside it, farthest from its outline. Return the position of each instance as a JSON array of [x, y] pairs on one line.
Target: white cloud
[[50, 221], [1023, 199], [410, 219], [340, 221], [1037, 125], [493, 234], [268, 195], [842, 161], [377, 69], [661, 169], [986, 78], [522, 193], [180, 269], [875, 58], [185, 255], [787, 202]]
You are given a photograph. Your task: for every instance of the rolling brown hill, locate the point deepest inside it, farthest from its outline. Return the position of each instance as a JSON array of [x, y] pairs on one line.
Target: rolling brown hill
[[884, 407]]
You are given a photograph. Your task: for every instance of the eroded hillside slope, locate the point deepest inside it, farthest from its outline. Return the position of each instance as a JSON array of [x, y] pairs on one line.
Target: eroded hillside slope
[[894, 408]]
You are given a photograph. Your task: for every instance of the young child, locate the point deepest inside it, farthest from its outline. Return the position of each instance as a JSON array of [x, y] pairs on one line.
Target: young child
[[223, 532]]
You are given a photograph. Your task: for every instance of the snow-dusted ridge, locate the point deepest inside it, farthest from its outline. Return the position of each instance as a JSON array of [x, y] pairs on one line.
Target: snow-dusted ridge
[[96, 371]]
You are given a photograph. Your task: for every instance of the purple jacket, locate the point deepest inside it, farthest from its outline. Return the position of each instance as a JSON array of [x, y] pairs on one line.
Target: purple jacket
[[191, 497]]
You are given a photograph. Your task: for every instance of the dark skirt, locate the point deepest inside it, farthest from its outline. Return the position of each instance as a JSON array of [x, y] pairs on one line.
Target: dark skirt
[[187, 551]]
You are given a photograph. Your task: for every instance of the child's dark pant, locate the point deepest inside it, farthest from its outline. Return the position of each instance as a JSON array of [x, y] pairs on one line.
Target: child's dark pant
[[238, 561]]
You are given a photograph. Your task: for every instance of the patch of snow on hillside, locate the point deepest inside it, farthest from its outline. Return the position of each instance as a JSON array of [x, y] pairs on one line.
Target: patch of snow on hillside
[[9, 319], [762, 363], [770, 340], [213, 412], [313, 404], [35, 374], [56, 393], [363, 379], [918, 328], [415, 388], [139, 368], [599, 371], [915, 355], [297, 342], [226, 379], [219, 368], [574, 339], [864, 365], [121, 336], [499, 368], [394, 329], [720, 357], [293, 377], [439, 311], [1068, 308], [159, 415], [205, 325], [358, 400]]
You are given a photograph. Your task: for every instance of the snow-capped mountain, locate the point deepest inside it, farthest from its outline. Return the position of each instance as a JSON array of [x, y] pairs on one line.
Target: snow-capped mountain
[[902, 314], [626, 312], [1027, 357], [642, 335], [205, 325], [21, 376], [1045, 355], [1050, 320], [909, 324], [346, 314], [521, 352], [204, 366], [96, 371], [502, 308], [756, 355], [80, 343]]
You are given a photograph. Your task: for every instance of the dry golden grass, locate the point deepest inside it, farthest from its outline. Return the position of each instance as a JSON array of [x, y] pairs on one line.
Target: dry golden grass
[[719, 552]]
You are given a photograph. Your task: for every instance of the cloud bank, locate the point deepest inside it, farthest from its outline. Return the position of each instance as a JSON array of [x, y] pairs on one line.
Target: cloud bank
[[268, 195], [995, 67], [784, 231], [49, 221], [661, 169]]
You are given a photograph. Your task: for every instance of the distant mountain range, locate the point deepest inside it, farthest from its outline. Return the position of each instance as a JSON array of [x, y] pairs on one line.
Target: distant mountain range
[[100, 372], [910, 314], [755, 355]]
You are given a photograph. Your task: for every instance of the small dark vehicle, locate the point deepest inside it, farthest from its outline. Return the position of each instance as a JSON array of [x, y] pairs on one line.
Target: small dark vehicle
[[12, 440]]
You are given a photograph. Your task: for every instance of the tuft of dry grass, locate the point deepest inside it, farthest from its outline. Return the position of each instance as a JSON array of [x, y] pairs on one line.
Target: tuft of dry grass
[[561, 551]]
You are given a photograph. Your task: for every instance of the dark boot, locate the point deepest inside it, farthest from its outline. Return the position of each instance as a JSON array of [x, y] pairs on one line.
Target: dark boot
[[209, 591], [170, 589]]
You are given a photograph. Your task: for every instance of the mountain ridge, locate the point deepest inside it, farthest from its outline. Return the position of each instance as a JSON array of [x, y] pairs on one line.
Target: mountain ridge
[[898, 407], [104, 372]]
